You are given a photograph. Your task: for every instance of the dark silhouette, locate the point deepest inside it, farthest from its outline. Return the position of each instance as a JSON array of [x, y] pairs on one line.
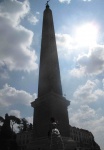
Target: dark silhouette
[[24, 125], [14, 120], [7, 135], [47, 2], [56, 141], [52, 125], [30, 126]]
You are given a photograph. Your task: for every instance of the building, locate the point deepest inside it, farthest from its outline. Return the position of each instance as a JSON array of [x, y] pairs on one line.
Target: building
[[84, 139], [23, 139]]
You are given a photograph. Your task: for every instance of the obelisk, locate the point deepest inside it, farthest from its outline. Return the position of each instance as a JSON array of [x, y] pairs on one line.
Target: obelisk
[[50, 102]]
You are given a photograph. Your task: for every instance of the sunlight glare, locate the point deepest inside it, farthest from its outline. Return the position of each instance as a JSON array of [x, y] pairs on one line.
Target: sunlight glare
[[86, 35]]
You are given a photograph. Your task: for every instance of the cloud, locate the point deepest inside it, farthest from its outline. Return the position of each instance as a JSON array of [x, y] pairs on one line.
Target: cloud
[[14, 10], [15, 113], [103, 83], [3, 73], [64, 40], [82, 115], [88, 93], [87, 0], [30, 119], [33, 19], [68, 1], [10, 96], [91, 63], [77, 72], [65, 44], [37, 13], [16, 52], [65, 1]]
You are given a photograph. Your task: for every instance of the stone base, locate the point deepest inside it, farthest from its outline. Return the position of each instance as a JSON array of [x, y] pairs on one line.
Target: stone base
[[45, 144]]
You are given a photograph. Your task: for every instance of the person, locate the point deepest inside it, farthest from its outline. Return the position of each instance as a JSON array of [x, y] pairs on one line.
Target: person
[[53, 124], [55, 136]]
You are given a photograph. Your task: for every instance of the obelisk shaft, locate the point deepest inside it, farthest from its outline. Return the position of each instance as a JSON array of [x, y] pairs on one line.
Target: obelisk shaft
[[49, 73]]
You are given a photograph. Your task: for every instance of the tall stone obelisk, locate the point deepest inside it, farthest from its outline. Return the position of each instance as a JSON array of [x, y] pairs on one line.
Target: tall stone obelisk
[[49, 73], [50, 102]]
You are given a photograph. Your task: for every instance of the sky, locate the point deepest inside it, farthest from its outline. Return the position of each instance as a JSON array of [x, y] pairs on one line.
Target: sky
[[80, 43]]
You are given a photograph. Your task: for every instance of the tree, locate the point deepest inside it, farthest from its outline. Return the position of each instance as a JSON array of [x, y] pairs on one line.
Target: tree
[[24, 125], [7, 136], [5, 129], [1, 119], [9, 120], [30, 126], [14, 120]]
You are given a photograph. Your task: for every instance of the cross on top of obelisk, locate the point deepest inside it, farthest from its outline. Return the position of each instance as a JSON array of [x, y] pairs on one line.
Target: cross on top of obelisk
[[47, 6]]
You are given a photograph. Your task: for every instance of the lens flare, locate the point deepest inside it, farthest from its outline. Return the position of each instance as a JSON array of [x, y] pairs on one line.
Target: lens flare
[[86, 35]]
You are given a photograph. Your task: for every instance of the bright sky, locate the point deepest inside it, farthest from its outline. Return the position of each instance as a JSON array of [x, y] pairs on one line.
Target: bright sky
[[79, 28]]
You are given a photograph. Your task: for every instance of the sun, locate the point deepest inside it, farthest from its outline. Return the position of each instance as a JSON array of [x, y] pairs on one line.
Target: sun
[[86, 35]]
